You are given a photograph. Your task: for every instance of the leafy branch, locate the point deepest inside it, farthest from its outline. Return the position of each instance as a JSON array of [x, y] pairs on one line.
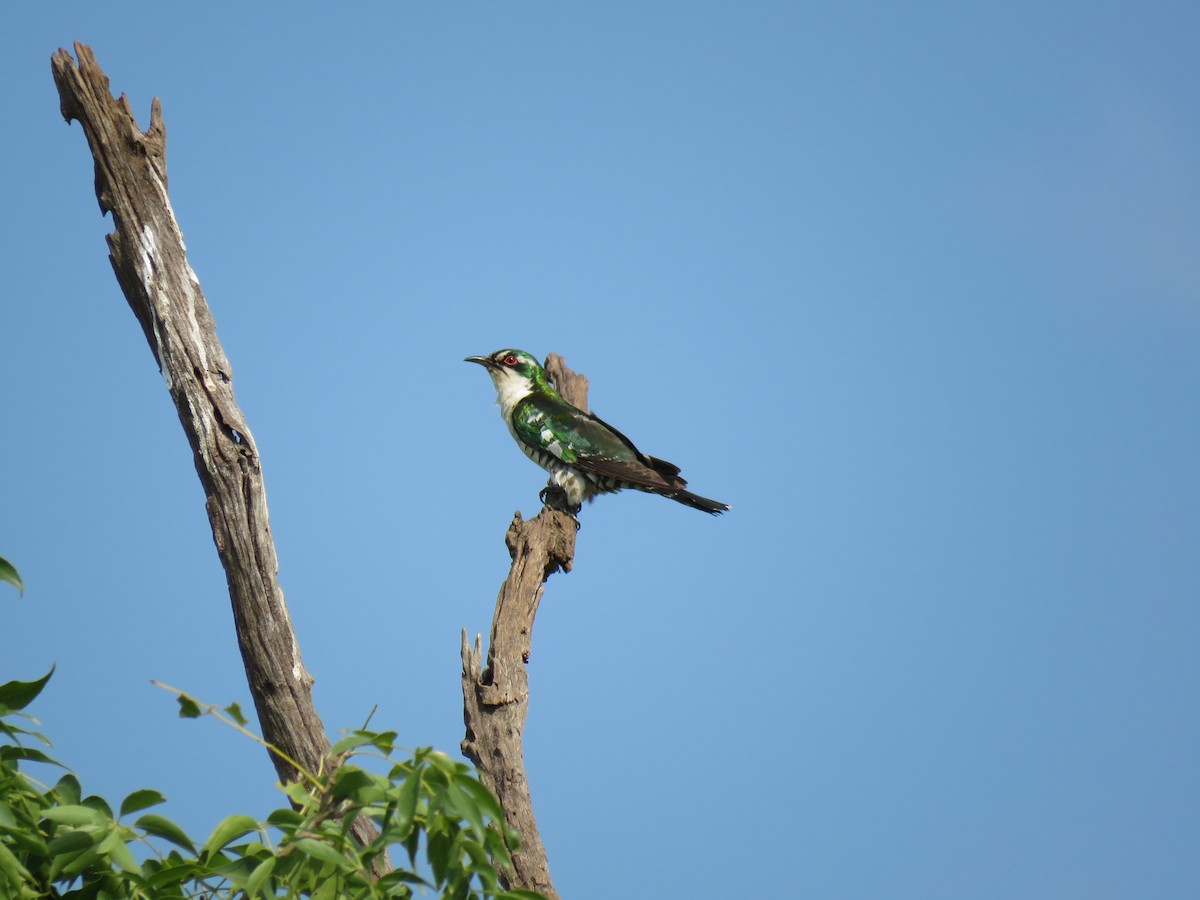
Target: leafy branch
[[433, 811]]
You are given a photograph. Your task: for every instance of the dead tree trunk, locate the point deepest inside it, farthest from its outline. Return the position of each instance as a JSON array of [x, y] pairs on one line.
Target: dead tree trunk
[[148, 256], [496, 697]]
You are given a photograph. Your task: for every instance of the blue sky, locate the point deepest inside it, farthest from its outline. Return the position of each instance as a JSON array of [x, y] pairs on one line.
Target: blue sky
[[915, 288]]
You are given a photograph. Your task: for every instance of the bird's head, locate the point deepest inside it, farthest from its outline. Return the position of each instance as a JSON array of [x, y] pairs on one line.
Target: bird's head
[[515, 373]]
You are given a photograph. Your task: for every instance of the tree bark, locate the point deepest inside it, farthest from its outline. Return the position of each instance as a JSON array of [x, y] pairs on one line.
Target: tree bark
[[496, 698], [149, 258]]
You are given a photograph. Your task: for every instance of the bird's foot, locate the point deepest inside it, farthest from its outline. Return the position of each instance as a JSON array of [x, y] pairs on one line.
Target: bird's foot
[[555, 497]]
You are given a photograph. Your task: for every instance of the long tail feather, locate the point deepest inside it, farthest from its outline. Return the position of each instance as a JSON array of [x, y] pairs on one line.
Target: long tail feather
[[695, 501]]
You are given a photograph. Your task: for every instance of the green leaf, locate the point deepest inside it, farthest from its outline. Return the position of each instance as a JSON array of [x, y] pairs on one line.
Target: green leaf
[[118, 852], [465, 807], [400, 876], [173, 871], [72, 841], [9, 574], [484, 798], [285, 818], [444, 763], [11, 866], [259, 876], [459, 887], [72, 852], [188, 708], [29, 753], [232, 864], [139, 800], [18, 694], [297, 792], [440, 851], [351, 780], [11, 731], [385, 741], [235, 713], [480, 864], [73, 866], [227, 830], [352, 742], [24, 838], [500, 850], [412, 844], [326, 890], [67, 790], [157, 825], [323, 852], [406, 803], [76, 815], [521, 894], [100, 805]]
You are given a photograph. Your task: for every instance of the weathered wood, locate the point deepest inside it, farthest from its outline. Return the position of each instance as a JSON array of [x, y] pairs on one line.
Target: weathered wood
[[149, 258], [496, 698]]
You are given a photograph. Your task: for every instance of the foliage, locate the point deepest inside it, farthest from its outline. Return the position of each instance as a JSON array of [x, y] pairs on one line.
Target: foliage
[[57, 842], [9, 574]]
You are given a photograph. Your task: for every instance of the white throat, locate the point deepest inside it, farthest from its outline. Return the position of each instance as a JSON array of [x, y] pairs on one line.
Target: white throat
[[511, 389]]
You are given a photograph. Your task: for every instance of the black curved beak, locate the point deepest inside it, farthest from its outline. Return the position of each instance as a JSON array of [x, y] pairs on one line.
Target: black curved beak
[[482, 360]]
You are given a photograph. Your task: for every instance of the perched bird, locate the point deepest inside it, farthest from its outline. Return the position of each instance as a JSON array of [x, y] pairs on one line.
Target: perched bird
[[584, 455]]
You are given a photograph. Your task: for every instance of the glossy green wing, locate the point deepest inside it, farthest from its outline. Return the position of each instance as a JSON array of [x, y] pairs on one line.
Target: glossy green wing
[[586, 442]]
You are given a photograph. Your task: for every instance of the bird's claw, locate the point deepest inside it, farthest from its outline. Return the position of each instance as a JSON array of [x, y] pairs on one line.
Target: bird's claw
[[555, 497]]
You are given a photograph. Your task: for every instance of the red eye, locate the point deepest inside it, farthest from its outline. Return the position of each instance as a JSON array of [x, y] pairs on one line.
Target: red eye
[[510, 360]]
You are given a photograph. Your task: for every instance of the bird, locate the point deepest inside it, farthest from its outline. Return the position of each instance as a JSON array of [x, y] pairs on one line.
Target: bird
[[584, 455]]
